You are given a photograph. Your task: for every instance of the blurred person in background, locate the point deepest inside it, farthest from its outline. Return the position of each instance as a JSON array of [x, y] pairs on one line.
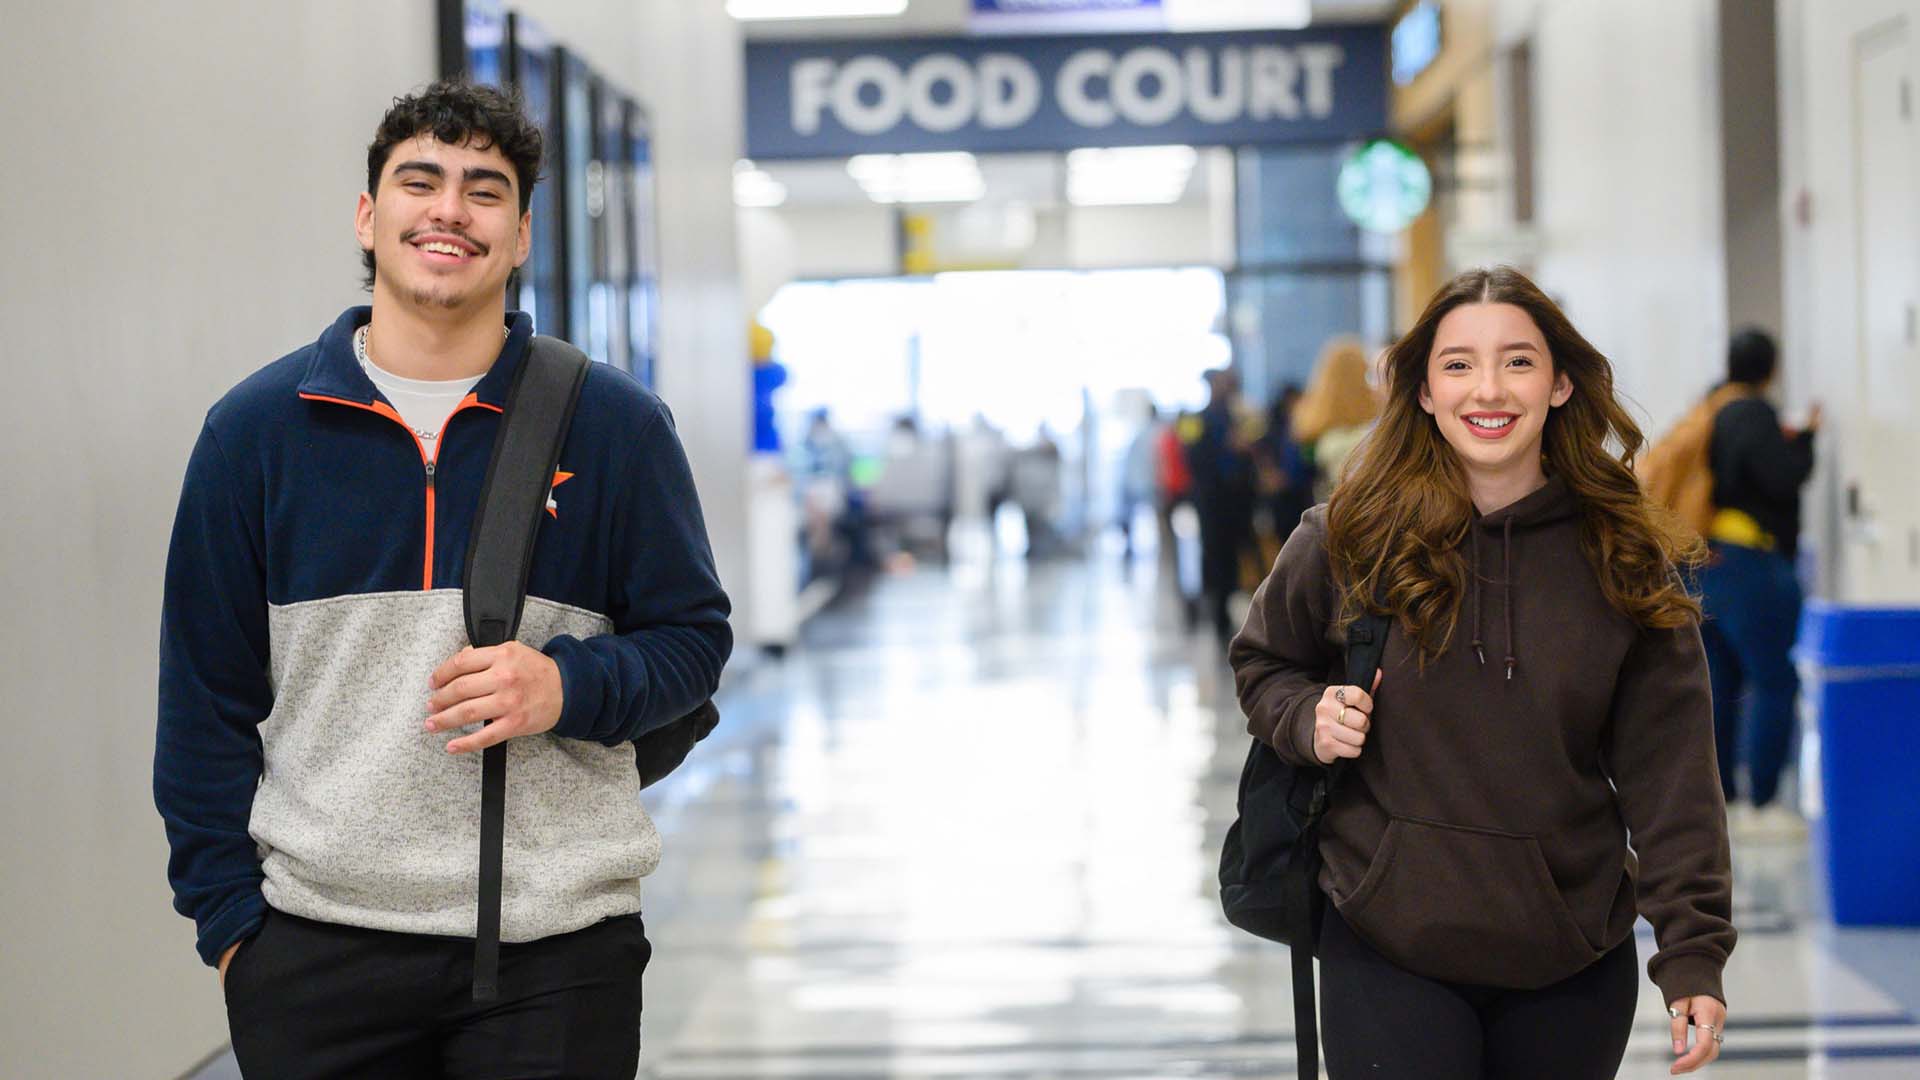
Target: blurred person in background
[[1542, 698], [1173, 481], [1285, 475], [1035, 480], [833, 509], [1751, 595], [1219, 455], [910, 504], [825, 450], [1138, 482], [1336, 412], [316, 757], [979, 471]]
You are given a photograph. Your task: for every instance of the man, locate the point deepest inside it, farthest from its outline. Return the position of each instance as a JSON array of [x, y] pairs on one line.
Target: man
[[1751, 595], [316, 762], [1222, 467]]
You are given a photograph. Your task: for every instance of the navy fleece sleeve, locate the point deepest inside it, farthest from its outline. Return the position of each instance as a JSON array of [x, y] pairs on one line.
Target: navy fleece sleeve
[[669, 613], [214, 692]]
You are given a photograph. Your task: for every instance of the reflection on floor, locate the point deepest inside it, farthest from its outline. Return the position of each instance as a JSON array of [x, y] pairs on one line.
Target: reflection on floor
[[969, 829]]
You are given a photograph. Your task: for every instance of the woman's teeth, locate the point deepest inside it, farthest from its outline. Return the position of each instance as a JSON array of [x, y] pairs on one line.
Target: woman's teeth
[[1489, 424]]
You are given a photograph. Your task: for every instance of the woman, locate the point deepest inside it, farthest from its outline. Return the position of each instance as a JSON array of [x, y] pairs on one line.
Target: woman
[[1543, 693], [1336, 412]]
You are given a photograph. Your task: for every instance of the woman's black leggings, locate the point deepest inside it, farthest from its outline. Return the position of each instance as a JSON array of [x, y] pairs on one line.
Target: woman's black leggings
[[1379, 1021]]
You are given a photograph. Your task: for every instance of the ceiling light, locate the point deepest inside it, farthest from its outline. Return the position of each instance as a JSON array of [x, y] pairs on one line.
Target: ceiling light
[[1137, 175], [814, 9], [918, 178], [754, 186]]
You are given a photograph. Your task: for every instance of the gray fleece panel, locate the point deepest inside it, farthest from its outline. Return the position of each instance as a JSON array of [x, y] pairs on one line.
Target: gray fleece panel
[[363, 818]]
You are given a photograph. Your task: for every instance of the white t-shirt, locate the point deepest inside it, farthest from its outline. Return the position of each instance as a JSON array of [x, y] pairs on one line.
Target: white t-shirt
[[424, 404]]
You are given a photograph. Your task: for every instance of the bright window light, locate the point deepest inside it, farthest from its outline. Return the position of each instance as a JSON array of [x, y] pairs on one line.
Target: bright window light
[[918, 178], [1129, 176], [814, 9]]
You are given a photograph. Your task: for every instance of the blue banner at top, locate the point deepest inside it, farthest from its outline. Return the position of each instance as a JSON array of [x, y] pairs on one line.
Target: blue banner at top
[[840, 98]]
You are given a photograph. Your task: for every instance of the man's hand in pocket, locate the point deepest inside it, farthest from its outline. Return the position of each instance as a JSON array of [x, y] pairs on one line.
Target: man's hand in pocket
[[225, 959]]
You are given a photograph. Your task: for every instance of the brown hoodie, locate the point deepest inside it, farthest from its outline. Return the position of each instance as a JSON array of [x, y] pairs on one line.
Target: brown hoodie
[[1482, 835]]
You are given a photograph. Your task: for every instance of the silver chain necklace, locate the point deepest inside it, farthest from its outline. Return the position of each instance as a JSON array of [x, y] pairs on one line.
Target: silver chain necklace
[[360, 354]]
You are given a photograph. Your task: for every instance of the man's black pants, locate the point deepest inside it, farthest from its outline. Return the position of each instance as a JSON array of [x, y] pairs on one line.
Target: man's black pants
[[309, 999]]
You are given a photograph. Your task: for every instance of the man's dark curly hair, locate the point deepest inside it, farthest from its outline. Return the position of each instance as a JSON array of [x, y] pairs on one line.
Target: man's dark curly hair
[[456, 113]]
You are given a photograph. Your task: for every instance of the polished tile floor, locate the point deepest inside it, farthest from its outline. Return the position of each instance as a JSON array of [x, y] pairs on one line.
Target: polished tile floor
[[969, 828]]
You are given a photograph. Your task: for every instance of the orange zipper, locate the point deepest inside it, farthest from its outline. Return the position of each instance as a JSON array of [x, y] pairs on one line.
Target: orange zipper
[[381, 408]]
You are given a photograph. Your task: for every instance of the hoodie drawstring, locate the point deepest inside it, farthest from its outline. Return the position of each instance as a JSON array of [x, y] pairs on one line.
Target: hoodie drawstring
[[1506, 584], [1506, 574], [1474, 572]]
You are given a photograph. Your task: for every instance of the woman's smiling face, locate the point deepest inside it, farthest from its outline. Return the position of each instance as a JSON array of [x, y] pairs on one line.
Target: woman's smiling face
[[1490, 384]]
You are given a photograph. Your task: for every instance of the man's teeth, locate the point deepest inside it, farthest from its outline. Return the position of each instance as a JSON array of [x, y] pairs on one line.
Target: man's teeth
[[444, 249], [1489, 424]]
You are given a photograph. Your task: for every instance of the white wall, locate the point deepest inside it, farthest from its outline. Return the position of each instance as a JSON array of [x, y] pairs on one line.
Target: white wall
[[1867, 443], [180, 194], [179, 212], [1628, 191], [856, 240], [1177, 235]]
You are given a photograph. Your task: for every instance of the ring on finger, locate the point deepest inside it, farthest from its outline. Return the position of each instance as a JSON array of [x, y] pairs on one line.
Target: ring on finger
[[1340, 695]]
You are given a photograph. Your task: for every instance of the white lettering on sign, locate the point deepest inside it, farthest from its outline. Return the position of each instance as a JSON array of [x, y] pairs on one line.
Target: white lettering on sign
[[1072, 88], [1231, 100], [1270, 86], [1009, 91], [808, 83], [1131, 93], [1147, 86], [1320, 61], [884, 112], [962, 95]]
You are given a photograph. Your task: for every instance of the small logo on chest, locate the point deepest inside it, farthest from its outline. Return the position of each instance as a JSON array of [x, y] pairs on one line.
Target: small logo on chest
[[558, 479]]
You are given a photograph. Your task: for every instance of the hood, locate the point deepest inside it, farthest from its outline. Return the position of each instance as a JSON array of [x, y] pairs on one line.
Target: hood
[[1551, 504]]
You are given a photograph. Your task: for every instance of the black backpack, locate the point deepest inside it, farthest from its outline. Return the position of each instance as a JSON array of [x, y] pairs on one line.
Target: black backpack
[[526, 450], [1270, 862]]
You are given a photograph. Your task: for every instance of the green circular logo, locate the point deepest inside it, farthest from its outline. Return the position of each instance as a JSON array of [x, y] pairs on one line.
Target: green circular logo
[[1383, 186]]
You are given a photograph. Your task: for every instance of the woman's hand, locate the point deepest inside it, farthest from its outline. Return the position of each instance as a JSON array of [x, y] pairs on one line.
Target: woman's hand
[[1709, 1019], [1341, 720]]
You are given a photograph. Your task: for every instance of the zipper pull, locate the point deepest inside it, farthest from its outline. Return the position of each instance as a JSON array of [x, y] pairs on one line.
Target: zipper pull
[[429, 473]]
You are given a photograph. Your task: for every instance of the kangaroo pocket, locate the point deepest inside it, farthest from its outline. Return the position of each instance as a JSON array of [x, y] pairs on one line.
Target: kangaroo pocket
[[1467, 905]]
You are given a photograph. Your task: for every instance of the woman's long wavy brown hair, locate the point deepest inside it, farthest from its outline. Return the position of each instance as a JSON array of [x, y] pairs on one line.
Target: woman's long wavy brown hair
[[1395, 524]]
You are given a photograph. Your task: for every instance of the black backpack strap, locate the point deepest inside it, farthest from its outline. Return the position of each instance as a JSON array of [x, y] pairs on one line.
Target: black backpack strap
[[1366, 640], [526, 450]]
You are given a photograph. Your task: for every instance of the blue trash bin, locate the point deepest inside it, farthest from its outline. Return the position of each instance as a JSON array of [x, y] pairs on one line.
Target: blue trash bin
[[1860, 673]]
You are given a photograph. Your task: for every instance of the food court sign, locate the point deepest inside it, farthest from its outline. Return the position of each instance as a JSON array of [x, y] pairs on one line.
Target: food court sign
[[836, 99]]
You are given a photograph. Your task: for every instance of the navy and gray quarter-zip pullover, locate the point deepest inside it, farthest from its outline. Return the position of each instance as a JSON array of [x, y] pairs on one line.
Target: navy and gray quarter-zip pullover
[[312, 586]]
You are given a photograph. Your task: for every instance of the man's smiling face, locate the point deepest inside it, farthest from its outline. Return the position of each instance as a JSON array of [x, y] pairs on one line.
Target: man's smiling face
[[445, 227]]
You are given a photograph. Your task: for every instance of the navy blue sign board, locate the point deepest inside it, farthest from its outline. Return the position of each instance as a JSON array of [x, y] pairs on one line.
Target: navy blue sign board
[[810, 99]]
